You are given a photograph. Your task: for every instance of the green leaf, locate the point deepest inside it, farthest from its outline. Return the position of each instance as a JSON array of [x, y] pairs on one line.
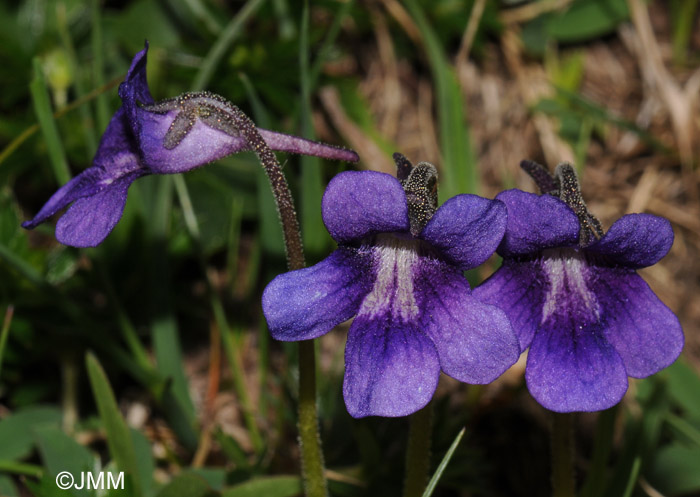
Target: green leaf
[[119, 439], [144, 460], [675, 470], [16, 431], [60, 453], [186, 485], [587, 19], [45, 487], [215, 477], [443, 464], [314, 234], [683, 385], [7, 487], [273, 486], [44, 113]]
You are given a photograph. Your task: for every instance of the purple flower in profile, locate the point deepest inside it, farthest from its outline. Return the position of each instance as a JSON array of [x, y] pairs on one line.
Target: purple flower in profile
[[398, 269], [574, 297], [143, 137]]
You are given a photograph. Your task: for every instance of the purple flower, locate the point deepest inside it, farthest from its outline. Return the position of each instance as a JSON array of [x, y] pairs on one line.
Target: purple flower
[[398, 269], [143, 137], [574, 297]]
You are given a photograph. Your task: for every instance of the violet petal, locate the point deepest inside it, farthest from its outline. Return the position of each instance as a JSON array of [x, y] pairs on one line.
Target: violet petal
[[467, 229], [572, 367], [645, 333], [635, 241], [536, 222], [475, 341], [519, 289], [391, 367], [309, 302], [357, 204], [90, 219], [115, 158]]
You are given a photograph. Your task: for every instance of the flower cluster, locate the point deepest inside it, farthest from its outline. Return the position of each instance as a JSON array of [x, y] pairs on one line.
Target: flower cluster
[[142, 138], [566, 290], [570, 292]]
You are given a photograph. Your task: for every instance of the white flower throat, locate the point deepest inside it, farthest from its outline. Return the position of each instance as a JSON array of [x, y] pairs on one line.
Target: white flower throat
[[566, 271], [396, 262]]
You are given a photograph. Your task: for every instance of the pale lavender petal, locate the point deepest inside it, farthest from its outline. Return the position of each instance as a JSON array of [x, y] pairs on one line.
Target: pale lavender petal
[[357, 204], [519, 289], [295, 145], [645, 333], [635, 241], [309, 302], [475, 341], [201, 145], [466, 229], [536, 222], [391, 367], [572, 367], [90, 219]]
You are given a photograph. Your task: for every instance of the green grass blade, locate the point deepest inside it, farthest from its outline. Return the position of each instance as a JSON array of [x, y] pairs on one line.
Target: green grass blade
[[5, 333], [220, 317], [44, 113], [271, 486], [119, 439], [88, 122], [103, 114], [634, 474], [218, 50], [315, 236], [328, 41], [164, 329], [19, 468], [459, 168], [443, 464]]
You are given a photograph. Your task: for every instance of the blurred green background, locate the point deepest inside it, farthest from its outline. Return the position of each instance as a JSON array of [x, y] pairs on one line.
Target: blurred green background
[[149, 354]]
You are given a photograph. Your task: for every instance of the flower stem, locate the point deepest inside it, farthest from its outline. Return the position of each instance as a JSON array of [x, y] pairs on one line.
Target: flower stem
[[312, 465], [418, 453], [562, 455]]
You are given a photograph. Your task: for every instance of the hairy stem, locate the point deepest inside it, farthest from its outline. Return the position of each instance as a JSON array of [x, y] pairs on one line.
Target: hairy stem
[[418, 453], [562, 455], [312, 465]]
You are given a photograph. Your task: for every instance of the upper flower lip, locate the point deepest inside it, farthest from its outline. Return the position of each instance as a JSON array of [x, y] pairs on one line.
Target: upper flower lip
[[466, 229], [538, 222], [588, 318]]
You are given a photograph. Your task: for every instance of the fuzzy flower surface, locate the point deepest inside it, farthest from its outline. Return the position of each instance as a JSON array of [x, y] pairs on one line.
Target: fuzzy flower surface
[[398, 270], [575, 299], [144, 137]]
